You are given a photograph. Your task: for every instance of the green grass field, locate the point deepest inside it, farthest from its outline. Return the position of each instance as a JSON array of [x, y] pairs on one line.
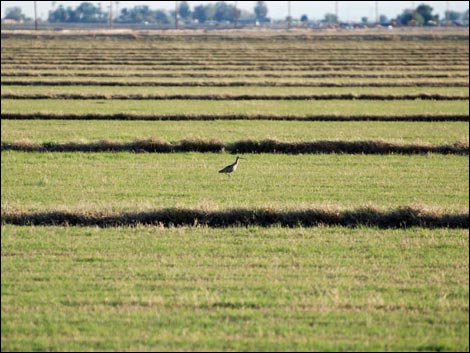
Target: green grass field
[[458, 91], [234, 289], [128, 181], [149, 288], [188, 106], [229, 131]]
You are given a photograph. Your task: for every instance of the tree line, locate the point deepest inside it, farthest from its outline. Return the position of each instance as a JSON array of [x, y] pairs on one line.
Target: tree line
[[219, 11]]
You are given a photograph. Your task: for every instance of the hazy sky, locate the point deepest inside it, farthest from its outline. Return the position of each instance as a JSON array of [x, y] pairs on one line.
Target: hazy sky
[[348, 10]]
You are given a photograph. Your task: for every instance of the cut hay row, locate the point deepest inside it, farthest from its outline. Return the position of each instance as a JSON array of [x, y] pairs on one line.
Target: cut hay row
[[234, 37], [222, 97], [91, 74], [209, 117], [235, 57], [280, 62], [137, 47], [246, 146], [449, 83], [403, 217], [298, 68], [77, 47]]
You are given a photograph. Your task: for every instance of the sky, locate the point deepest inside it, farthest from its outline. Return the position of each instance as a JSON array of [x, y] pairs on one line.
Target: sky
[[348, 10]]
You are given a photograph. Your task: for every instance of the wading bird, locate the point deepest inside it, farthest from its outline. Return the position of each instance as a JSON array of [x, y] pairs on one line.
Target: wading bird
[[230, 168]]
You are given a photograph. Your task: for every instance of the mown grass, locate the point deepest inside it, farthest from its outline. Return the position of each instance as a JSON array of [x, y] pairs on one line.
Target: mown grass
[[239, 81], [230, 73], [259, 289], [133, 182], [234, 289], [174, 107], [60, 131], [457, 91]]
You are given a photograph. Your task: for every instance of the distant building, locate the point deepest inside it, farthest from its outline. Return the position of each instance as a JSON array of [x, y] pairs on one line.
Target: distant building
[[10, 21]]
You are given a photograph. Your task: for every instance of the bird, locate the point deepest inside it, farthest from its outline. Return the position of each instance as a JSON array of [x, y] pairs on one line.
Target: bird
[[231, 168]]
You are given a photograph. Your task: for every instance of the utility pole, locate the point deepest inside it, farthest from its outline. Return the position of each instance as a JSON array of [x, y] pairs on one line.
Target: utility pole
[[176, 14], [117, 8], [289, 17], [337, 10], [377, 20], [35, 15], [447, 13], [110, 14], [235, 15]]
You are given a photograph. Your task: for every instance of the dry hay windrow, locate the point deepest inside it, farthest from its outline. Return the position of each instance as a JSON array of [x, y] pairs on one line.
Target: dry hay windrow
[[284, 68], [235, 84], [224, 97], [289, 74], [244, 146], [402, 217], [210, 117], [246, 36]]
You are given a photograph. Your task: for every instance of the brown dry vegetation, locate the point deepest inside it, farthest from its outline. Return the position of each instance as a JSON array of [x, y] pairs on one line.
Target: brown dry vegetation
[[181, 117], [247, 146], [218, 97], [396, 218]]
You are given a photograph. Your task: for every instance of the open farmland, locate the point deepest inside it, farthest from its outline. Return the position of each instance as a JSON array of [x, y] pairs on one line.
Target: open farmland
[[345, 226]]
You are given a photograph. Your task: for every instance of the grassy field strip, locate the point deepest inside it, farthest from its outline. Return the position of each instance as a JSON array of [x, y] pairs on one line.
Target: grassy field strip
[[308, 64], [233, 61], [177, 40], [103, 182], [243, 146], [227, 83], [241, 56], [258, 289], [123, 90], [282, 108], [279, 46], [59, 131]]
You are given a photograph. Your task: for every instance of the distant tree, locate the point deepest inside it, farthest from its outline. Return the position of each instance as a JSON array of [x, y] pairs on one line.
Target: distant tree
[[365, 20], [453, 15], [426, 12], [465, 16], [383, 19], [161, 17], [261, 11], [406, 17], [330, 18], [199, 13], [140, 14], [89, 12], [59, 14], [184, 10], [15, 13], [421, 16], [224, 12], [304, 18]]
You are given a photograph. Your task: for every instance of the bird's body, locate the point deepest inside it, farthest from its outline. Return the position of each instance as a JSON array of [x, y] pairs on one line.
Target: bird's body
[[230, 168]]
